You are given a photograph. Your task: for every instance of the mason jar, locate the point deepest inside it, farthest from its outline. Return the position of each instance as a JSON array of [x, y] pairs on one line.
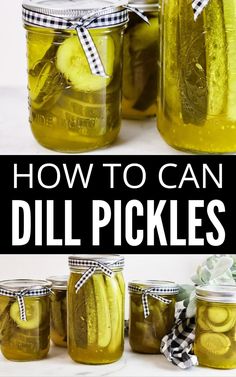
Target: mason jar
[[197, 95], [25, 319], [58, 322], [96, 293], [74, 53], [152, 314], [215, 342], [140, 54]]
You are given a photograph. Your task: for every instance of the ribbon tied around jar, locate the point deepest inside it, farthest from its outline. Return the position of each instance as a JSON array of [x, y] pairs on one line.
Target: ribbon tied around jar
[[198, 7]]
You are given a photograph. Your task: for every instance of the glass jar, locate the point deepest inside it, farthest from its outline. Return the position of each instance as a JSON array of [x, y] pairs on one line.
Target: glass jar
[[25, 319], [96, 293], [59, 310], [140, 55], [197, 93], [215, 342], [152, 314], [72, 109]]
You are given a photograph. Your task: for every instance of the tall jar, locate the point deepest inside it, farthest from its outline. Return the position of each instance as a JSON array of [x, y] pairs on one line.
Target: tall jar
[[215, 343], [96, 293], [59, 310], [197, 93], [141, 51], [25, 319], [74, 51], [152, 314]]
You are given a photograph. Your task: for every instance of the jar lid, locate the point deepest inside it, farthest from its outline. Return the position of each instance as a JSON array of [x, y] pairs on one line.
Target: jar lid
[[59, 282], [85, 261], [70, 8], [17, 285], [160, 286], [219, 293]]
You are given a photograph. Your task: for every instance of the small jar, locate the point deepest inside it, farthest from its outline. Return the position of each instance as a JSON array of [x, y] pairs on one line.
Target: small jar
[[152, 314], [215, 342], [74, 52], [96, 294], [141, 52], [59, 310], [25, 319], [197, 94]]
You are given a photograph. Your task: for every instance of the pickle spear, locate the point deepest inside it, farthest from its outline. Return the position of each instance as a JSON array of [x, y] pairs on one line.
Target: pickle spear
[[103, 313], [91, 313], [78, 310], [115, 305], [216, 57], [229, 19], [57, 319], [192, 58]]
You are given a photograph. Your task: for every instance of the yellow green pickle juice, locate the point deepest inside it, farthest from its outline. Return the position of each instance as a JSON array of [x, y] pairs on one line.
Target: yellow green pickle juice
[[71, 108], [25, 339], [96, 309], [58, 321], [197, 93], [147, 331], [215, 342], [140, 55]]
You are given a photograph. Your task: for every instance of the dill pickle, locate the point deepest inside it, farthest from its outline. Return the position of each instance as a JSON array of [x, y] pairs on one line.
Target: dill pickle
[[91, 313], [58, 323], [216, 344]]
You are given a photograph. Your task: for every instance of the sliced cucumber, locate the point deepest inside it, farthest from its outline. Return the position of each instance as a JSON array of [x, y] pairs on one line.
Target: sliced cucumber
[[215, 344], [229, 19], [215, 314], [72, 63], [201, 318], [33, 310], [37, 45], [216, 57]]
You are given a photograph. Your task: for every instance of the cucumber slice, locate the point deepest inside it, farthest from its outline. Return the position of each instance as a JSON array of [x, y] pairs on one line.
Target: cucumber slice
[[103, 313], [33, 313], [72, 63], [215, 314], [215, 344], [201, 320], [142, 36], [216, 57], [37, 45], [229, 19]]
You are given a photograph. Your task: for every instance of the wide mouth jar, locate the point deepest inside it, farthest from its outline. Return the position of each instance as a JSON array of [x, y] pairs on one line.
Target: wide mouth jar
[[222, 293]]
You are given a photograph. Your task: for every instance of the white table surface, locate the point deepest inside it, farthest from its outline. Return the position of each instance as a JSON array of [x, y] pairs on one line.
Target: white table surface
[[58, 363], [15, 135]]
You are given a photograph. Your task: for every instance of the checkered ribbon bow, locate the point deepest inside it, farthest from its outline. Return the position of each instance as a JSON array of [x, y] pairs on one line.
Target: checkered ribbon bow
[[198, 6], [152, 292], [19, 295], [93, 266], [103, 18]]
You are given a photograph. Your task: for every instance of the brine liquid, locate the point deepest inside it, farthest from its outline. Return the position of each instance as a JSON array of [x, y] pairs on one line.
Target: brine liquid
[[145, 334], [96, 319], [197, 96]]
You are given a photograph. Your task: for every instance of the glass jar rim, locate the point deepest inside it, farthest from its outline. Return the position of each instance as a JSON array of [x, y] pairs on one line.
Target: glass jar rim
[[16, 285], [145, 6], [59, 281], [164, 287], [112, 261], [217, 293]]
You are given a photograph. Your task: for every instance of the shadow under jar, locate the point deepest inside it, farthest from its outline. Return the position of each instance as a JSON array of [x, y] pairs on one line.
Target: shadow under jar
[[197, 93], [25, 319], [140, 56], [72, 109], [58, 321], [147, 328], [96, 308], [215, 342]]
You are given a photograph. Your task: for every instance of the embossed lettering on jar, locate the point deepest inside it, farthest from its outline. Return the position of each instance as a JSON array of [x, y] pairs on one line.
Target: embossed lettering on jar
[[197, 93], [96, 293]]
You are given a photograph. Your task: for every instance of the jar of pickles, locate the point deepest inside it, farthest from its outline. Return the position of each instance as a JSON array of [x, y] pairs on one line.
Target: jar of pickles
[[96, 293], [215, 343], [74, 50], [141, 51], [25, 319], [152, 314], [197, 93], [59, 310]]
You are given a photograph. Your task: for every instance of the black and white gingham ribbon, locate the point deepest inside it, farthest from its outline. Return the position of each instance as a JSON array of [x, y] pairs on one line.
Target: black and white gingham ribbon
[[19, 295], [105, 17], [93, 266], [177, 346], [154, 293], [198, 6]]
